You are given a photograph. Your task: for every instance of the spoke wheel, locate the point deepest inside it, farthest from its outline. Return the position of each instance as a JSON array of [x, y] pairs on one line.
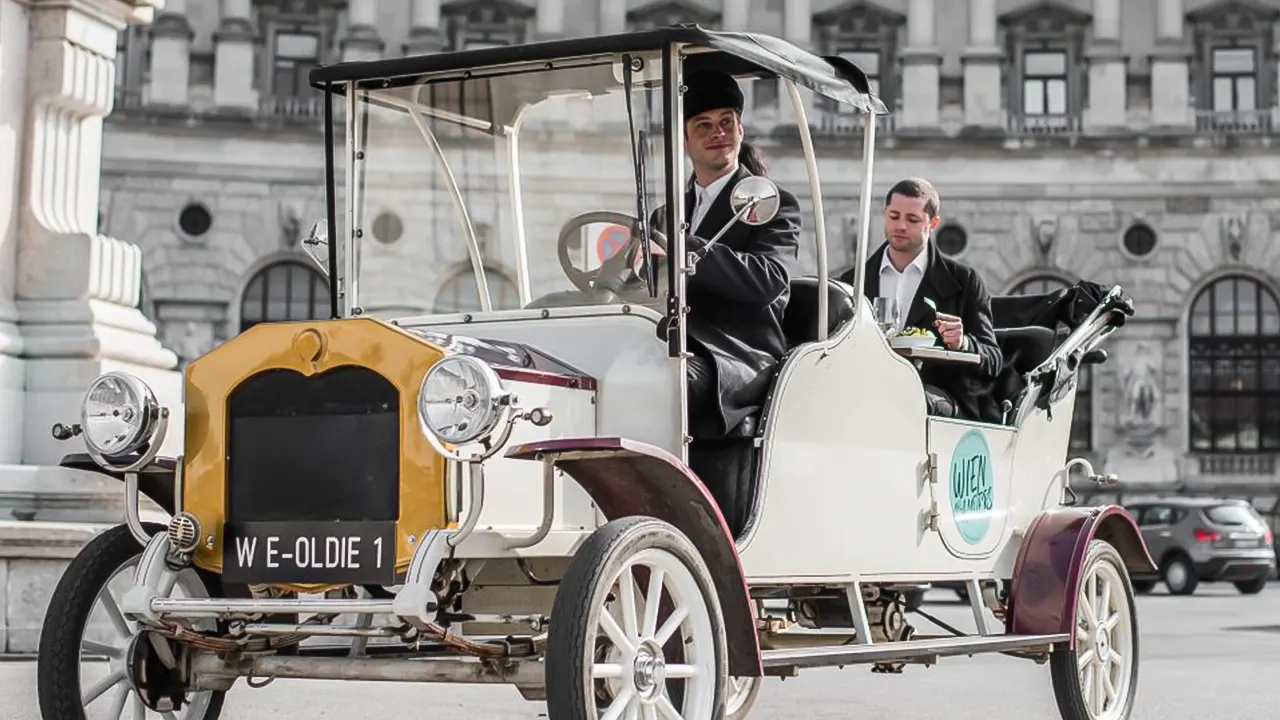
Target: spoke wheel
[[85, 642], [1097, 679], [636, 630], [741, 697]]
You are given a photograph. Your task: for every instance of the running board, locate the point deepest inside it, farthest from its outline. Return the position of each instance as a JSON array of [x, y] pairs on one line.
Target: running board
[[828, 656]]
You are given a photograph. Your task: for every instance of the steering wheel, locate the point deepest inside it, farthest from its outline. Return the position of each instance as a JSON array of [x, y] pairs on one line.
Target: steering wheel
[[615, 274]]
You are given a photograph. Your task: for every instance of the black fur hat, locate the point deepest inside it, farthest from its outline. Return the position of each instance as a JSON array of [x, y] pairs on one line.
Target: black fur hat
[[711, 90]]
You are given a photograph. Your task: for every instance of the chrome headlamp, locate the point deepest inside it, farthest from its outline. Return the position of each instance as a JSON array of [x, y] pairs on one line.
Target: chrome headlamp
[[119, 415], [462, 400]]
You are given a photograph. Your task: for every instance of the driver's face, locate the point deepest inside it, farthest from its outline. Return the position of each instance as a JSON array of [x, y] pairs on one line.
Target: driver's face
[[713, 139]]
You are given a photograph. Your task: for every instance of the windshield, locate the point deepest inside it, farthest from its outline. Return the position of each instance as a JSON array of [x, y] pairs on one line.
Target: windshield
[[451, 199]]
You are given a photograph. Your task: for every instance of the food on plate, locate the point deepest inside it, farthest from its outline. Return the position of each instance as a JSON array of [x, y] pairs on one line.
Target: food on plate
[[910, 332]]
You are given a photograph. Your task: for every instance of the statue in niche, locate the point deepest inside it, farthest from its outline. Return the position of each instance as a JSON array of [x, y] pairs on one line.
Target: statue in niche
[[1141, 457], [1142, 402]]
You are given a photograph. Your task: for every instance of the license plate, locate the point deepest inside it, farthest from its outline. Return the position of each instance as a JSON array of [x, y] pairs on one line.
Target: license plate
[[310, 552]]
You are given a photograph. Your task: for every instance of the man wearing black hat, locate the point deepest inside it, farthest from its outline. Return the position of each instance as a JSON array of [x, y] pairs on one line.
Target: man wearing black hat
[[741, 285]]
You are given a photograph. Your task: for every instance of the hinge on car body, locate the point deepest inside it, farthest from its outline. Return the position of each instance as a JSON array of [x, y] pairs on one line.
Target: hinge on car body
[[931, 474], [931, 517]]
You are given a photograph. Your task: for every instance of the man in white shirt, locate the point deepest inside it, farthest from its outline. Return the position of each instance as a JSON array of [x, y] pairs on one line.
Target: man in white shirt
[[909, 268]]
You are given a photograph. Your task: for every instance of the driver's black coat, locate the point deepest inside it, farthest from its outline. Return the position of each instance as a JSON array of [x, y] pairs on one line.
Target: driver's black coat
[[737, 297]]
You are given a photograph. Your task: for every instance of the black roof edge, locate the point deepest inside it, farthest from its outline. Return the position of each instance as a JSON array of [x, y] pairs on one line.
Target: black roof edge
[[737, 52]]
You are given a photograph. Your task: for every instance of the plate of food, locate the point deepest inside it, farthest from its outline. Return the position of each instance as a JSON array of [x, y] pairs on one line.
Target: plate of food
[[912, 337]]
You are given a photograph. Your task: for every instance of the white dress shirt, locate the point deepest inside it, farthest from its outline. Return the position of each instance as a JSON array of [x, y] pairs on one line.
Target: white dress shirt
[[902, 285], [704, 197]]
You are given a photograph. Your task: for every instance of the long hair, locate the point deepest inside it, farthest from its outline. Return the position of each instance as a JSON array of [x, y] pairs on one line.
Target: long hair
[[751, 158]]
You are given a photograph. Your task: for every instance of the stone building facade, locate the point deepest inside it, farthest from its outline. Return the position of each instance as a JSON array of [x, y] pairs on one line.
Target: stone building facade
[[1120, 141]]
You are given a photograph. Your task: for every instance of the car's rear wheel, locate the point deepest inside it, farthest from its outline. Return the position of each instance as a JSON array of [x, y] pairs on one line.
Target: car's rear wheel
[[1251, 587], [82, 669], [1097, 678], [636, 629]]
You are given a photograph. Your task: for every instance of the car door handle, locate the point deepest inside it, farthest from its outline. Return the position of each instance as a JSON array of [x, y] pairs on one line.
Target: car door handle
[[1165, 533]]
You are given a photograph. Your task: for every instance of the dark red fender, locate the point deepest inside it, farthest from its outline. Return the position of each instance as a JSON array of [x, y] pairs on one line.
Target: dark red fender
[[155, 480], [1046, 575], [631, 478]]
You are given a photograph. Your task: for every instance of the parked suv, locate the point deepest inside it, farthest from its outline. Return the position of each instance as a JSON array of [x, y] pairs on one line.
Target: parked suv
[[1195, 540]]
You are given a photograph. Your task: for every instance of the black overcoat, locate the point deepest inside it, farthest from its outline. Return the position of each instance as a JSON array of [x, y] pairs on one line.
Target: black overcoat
[[957, 290], [737, 297]]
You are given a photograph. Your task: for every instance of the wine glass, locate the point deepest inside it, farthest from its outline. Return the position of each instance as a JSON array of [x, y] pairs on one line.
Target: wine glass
[[886, 312]]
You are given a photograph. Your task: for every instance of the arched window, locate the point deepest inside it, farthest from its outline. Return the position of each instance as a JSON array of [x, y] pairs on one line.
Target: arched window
[[1234, 358], [460, 293], [285, 290], [1082, 422]]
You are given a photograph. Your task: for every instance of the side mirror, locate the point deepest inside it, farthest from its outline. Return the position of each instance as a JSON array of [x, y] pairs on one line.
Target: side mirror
[[315, 240], [758, 197]]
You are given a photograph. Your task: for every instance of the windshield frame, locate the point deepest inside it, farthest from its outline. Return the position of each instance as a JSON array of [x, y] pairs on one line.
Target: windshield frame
[[747, 53]]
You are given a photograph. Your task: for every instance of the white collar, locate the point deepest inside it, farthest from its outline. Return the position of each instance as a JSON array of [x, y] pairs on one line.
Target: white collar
[[712, 191], [919, 262]]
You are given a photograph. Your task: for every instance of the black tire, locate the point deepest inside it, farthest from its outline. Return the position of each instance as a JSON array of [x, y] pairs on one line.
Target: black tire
[[58, 663], [573, 641], [1180, 575], [1064, 663], [1142, 587], [1251, 587]]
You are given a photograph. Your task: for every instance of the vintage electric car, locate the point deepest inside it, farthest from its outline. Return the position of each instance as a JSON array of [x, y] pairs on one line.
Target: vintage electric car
[[502, 492]]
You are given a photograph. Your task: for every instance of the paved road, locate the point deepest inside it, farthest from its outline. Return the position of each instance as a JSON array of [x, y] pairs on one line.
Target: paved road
[[1213, 655]]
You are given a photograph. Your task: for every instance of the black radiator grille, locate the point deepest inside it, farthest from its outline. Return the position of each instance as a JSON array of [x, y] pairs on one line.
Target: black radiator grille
[[319, 448]]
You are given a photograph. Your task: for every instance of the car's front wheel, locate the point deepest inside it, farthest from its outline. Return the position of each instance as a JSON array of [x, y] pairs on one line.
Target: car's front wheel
[[636, 629], [83, 665]]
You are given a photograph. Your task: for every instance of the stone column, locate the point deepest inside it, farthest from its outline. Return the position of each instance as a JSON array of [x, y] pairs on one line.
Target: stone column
[[171, 55], [797, 28], [1170, 84], [1107, 96], [921, 70], [549, 17], [362, 41], [234, 43], [982, 59], [13, 83], [74, 292], [735, 16], [425, 32], [613, 16]]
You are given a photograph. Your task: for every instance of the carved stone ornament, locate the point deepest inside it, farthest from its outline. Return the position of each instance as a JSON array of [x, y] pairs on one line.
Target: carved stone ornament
[[290, 216], [1233, 236], [1044, 231]]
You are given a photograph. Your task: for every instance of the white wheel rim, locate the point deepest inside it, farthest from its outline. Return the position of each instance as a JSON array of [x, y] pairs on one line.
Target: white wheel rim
[[1104, 642], [106, 692], [739, 692], [1178, 575], [634, 669]]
